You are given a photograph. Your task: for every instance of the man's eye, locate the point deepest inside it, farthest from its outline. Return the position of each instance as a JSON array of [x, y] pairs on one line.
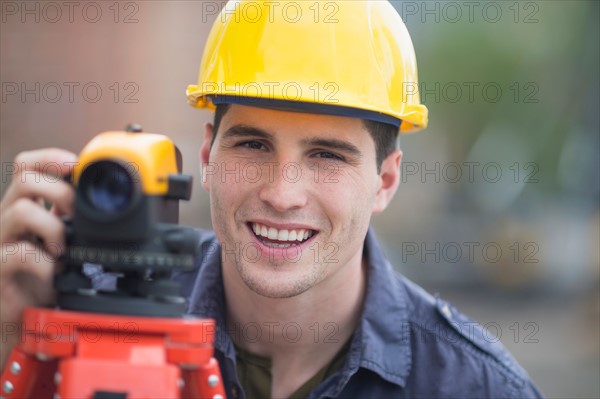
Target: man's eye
[[253, 145], [328, 155]]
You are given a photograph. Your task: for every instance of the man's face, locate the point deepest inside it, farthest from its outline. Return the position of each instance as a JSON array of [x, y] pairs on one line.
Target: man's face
[[291, 196]]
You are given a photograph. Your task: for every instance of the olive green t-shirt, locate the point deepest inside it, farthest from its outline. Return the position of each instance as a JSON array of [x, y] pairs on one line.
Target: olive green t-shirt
[[254, 372]]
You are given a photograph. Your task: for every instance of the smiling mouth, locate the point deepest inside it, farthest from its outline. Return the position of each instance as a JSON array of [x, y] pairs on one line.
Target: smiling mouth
[[280, 238]]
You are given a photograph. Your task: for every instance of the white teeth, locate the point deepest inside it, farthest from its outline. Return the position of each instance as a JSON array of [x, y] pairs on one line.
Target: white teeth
[[272, 233], [281, 235], [276, 245]]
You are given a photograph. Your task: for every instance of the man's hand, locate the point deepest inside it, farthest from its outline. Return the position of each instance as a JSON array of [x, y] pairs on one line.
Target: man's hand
[[31, 237]]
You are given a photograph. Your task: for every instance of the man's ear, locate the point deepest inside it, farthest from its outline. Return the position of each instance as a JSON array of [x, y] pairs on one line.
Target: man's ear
[[389, 178], [205, 154]]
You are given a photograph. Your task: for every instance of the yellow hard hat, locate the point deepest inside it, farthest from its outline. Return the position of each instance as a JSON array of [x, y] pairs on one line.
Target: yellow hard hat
[[352, 58]]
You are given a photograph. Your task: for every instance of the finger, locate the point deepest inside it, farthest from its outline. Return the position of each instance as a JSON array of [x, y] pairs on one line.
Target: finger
[[35, 185], [26, 279], [50, 161], [25, 257], [25, 217]]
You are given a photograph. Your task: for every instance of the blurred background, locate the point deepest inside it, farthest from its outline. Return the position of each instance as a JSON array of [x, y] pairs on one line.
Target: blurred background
[[498, 210]]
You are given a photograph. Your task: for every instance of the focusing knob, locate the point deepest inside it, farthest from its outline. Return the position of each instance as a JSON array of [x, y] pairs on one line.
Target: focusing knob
[[134, 128], [181, 240]]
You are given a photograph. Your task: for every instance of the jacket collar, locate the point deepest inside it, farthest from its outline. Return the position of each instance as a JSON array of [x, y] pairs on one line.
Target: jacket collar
[[207, 297], [382, 341]]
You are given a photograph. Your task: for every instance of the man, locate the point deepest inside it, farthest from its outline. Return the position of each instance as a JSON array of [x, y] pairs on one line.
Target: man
[[300, 155]]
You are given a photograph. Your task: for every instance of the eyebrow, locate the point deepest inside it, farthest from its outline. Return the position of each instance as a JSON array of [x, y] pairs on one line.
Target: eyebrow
[[241, 131], [246, 131]]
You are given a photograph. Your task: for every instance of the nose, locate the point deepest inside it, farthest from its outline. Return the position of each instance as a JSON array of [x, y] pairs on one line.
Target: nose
[[285, 189]]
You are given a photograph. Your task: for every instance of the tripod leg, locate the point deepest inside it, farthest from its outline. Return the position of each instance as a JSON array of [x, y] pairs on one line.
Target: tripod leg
[[203, 382], [25, 376]]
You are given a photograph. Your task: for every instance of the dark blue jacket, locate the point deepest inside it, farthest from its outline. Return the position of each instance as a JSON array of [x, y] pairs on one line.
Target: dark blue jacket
[[408, 344]]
